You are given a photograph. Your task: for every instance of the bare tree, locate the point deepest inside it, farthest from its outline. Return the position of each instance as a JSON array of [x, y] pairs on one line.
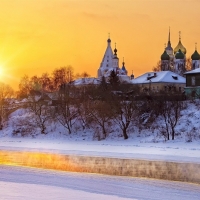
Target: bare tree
[[101, 114], [188, 64], [125, 113], [66, 110], [62, 75], [6, 92], [171, 112], [24, 87], [82, 75], [41, 110], [157, 67], [46, 82]]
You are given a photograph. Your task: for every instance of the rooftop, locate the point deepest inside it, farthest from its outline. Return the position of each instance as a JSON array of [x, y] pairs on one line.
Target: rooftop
[[157, 77]]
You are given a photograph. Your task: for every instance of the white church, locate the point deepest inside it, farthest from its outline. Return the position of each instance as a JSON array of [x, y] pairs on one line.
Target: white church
[[109, 63]]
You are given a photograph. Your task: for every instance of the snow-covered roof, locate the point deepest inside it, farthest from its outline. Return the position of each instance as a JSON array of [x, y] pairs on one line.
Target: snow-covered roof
[[86, 81], [157, 77], [195, 71]]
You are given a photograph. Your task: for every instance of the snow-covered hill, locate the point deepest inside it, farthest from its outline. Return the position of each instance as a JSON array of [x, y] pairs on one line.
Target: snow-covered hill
[[142, 143]]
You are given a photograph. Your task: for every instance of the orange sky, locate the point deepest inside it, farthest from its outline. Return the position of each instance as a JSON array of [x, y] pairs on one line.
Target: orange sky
[[38, 36]]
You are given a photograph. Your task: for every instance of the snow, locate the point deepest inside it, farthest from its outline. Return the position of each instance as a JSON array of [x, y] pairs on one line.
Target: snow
[[195, 71], [86, 81], [147, 143], [19, 183], [177, 151], [162, 76], [143, 144]]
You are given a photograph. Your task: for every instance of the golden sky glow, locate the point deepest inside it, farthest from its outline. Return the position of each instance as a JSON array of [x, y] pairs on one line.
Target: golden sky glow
[[37, 36]]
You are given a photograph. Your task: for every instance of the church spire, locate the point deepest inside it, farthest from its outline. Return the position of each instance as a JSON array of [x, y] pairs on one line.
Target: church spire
[[109, 40], [123, 62], [169, 41], [115, 50]]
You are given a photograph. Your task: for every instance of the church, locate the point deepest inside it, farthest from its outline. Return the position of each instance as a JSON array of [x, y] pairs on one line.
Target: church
[[175, 59], [110, 62]]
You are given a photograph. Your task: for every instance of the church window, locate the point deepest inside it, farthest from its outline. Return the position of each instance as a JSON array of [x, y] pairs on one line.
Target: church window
[[179, 89], [107, 60], [107, 65], [193, 80]]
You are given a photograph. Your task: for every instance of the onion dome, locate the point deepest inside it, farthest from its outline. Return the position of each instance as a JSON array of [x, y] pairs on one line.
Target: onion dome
[[195, 56], [132, 76], [115, 50], [180, 46], [165, 56], [115, 53], [179, 55], [123, 66]]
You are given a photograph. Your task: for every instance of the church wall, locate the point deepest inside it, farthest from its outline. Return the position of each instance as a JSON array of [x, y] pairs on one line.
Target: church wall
[[195, 64]]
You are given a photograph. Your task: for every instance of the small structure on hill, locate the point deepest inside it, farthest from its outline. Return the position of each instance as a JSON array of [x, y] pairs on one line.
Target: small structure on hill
[[192, 88], [160, 81]]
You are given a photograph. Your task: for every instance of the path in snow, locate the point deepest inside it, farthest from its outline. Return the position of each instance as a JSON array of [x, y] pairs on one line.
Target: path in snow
[[19, 183]]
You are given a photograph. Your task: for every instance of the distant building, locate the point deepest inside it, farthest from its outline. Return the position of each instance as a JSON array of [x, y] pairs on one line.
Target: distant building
[[110, 62], [174, 60], [160, 81], [192, 88]]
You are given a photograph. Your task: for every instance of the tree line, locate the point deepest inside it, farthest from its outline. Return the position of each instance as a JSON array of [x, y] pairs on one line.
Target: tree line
[[56, 100]]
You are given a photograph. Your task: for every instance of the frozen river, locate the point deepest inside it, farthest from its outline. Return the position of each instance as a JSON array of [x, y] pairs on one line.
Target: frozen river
[[19, 183]]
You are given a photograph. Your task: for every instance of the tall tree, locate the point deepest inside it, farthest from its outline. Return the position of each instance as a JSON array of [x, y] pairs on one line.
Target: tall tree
[[125, 113], [101, 114], [24, 87], [67, 110], [114, 80], [62, 75], [171, 113], [41, 112]]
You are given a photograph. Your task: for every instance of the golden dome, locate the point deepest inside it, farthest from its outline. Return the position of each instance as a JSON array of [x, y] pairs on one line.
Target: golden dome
[[181, 47]]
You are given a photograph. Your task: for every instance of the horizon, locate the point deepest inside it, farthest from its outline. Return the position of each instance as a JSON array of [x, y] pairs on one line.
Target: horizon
[[40, 36]]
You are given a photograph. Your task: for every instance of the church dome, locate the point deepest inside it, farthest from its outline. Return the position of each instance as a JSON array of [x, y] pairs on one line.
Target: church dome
[[164, 56], [132, 76], [181, 47], [195, 56], [109, 40], [179, 55]]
